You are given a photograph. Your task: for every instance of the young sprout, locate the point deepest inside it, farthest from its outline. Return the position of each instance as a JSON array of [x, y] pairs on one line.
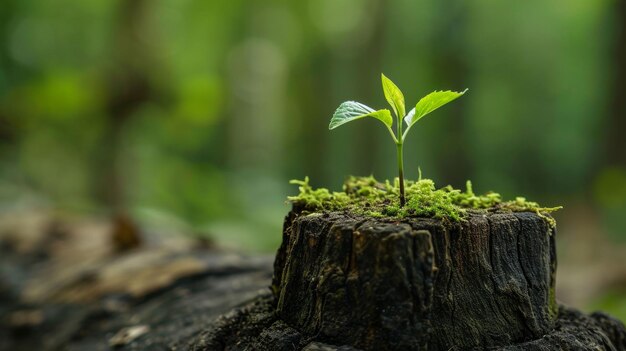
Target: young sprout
[[351, 110]]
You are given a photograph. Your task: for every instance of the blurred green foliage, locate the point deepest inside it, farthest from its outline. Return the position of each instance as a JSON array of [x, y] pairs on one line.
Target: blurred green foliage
[[202, 110], [194, 114]]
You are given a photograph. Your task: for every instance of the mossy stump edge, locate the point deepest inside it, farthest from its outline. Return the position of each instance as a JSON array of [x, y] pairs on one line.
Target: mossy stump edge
[[417, 283]]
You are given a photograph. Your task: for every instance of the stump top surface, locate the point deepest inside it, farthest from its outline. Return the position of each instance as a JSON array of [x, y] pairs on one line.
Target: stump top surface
[[366, 196]]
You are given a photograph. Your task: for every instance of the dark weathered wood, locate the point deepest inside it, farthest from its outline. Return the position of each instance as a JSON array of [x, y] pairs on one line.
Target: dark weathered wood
[[255, 327], [357, 281], [345, 282], [417, 283], [220, 301]]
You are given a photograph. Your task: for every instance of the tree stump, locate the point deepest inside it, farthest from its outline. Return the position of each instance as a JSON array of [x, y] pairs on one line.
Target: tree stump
[[417, 283], [345, 282]]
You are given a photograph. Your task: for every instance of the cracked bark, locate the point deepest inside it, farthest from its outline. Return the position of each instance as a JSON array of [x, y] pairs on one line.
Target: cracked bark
[[417, 283]]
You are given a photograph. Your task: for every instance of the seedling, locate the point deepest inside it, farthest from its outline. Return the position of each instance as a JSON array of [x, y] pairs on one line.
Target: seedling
[[352, 110]]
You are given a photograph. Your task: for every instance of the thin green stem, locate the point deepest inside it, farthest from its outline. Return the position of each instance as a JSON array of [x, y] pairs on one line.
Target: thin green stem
[[401, 174], [399, 142]]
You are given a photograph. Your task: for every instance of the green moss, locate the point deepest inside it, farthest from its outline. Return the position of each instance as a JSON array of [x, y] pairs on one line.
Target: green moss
[[367, 196], [554, 307]]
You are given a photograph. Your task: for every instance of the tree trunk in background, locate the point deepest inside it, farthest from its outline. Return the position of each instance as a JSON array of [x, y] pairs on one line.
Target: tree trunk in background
[[616, 141], [128, 87], [312, 145], [367, 153], [451, 68], [10, 132]]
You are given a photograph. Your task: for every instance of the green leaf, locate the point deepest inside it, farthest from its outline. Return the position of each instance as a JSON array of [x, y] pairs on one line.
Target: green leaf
[[352, 110], [430, 103], [394, 96]]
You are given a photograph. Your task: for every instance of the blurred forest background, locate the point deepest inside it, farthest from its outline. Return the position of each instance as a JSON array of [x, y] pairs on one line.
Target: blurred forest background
[[192, 115]]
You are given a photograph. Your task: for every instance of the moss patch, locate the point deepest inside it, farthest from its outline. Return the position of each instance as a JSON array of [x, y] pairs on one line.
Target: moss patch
[[365, 195]]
